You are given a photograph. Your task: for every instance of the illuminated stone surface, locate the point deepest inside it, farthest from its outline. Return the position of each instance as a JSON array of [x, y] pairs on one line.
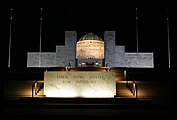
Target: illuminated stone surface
[[119, 56], [146, 60], [90, 46], [33, 59], [86, 84], [70, 47], [90, 49], [109, 39], [136, 60], [44, 59], [60, 56]]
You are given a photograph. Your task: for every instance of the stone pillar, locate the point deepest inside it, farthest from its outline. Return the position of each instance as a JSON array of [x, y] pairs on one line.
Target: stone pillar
[[70, 47], [109, 39], [119, 56]]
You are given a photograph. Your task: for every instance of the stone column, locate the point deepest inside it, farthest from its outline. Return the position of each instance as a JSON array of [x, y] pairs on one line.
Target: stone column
[[109, 39]]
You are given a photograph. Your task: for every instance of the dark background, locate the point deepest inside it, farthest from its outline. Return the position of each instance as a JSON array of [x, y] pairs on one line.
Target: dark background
[[84, 18]]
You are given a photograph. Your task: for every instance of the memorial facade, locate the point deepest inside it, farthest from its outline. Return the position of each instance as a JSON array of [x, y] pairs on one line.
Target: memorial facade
[[90, 49]]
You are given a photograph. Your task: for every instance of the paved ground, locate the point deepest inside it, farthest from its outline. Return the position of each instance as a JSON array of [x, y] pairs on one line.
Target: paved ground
[[86, 108]]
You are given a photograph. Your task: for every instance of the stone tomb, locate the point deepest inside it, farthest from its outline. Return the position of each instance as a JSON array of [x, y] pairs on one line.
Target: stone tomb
[[82, 84]]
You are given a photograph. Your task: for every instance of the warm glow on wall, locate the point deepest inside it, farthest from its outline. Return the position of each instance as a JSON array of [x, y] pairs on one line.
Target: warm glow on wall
[[69, 92], [90, 49], [86, 84], [64, 92]]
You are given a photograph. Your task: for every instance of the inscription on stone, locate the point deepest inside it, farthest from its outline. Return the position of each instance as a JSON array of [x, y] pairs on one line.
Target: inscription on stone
[[84, 84]]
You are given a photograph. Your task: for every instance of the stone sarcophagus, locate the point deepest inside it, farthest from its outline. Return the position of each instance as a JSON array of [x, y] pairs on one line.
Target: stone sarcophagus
[[83, 84]]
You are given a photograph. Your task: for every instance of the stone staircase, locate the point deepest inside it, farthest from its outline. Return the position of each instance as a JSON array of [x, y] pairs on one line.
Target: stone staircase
[[147, 90], [123, 91], [13, 90], [16, 89]]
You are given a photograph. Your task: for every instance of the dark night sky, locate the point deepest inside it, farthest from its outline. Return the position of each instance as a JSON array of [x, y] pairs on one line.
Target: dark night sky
[[59, 18]]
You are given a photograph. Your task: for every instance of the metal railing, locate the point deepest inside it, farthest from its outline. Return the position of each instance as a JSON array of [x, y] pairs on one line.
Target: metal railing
[[36, 88], [133, 87]]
